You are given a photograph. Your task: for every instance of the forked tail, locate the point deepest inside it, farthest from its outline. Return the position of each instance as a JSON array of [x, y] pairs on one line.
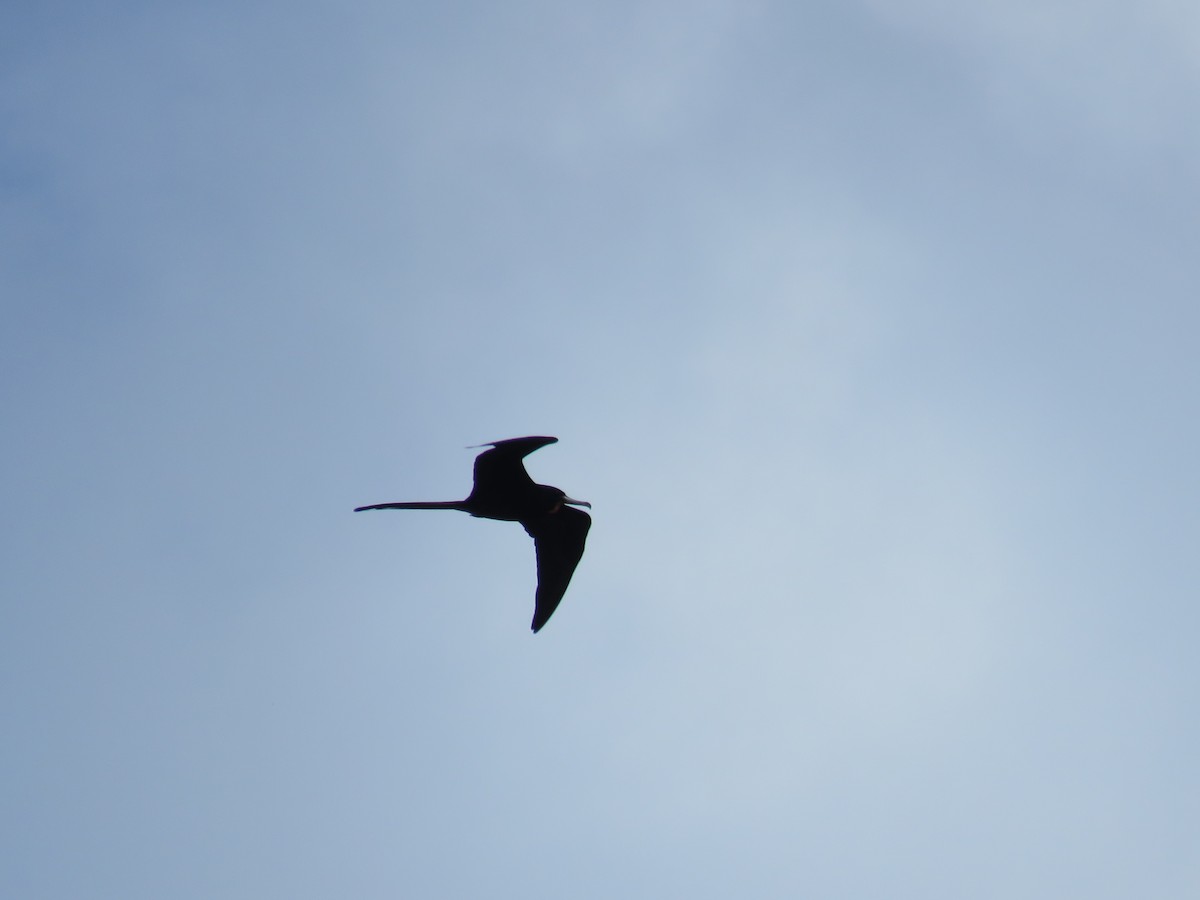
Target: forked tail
[[436, 504]]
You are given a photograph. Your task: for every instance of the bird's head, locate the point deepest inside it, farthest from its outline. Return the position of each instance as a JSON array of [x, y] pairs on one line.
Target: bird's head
[[558, 498]]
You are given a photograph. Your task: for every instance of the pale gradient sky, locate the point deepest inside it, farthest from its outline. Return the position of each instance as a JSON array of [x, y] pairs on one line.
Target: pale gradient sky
[[869, 329]]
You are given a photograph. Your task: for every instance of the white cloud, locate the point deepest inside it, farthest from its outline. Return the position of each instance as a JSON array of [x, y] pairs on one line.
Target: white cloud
[[861, 592]]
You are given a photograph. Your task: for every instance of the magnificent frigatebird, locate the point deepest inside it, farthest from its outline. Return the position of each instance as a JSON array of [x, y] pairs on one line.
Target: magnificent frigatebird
[[504, 490]]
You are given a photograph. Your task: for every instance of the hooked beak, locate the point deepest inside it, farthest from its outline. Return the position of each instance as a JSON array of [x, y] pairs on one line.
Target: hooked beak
[[576, 502]]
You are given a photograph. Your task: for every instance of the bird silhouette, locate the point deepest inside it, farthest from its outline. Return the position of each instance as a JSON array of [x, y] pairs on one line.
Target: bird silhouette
[[503, 490]]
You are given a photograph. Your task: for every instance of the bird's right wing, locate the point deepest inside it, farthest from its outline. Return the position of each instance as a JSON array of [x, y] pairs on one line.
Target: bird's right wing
[[559, 539], [501, 468], [502, 464]]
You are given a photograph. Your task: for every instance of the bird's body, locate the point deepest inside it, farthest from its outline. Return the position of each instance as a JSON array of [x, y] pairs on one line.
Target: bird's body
[[503, 490]]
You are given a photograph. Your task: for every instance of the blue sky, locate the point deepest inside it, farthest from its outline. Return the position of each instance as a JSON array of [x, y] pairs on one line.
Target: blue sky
[[868, 329]]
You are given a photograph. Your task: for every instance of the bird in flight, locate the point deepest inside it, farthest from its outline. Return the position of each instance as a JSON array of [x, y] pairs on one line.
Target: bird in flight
[[503, 490]]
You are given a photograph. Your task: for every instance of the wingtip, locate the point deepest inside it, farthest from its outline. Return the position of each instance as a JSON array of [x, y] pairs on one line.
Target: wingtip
[[545, 438]]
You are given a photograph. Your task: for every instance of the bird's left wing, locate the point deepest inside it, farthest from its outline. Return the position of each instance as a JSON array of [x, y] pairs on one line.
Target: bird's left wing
[[558, 538]]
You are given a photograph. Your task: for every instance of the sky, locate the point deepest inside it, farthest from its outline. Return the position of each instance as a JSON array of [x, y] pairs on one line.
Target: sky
[[868, 329]]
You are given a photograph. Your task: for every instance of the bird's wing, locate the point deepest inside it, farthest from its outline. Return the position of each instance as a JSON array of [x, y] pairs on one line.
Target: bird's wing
[[502, 464], [558, 539]]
